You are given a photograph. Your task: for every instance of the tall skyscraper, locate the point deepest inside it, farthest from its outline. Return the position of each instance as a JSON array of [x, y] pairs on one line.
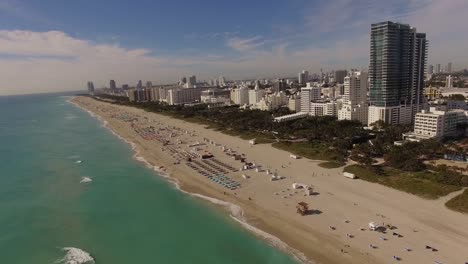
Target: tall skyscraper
[[438, 68], [303, 77], [139, 85], [112, 85], [397, 66], [449, 67]]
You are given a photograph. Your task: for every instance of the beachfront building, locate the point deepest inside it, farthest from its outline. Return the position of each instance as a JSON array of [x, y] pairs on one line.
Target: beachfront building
[[215, 96], [308, 95], [355, 104], [277, 99], [240, 96], [271, 102], [323, 108], [262, 105], [154, 94], [294, 103], [179, 96], [438, 124], [397, 66], [255, 95]]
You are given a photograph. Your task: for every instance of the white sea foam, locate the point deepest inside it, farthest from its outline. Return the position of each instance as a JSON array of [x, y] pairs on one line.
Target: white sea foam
[[70, 117], [78, 161], [86, 180], [236, 212], [75, 256]]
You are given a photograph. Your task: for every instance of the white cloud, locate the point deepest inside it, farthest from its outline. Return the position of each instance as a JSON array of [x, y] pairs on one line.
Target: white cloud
[[241, 44], [336, 36], [54, 61]]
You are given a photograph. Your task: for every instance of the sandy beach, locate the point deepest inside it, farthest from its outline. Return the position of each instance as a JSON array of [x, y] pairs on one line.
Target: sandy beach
[[335, 230]]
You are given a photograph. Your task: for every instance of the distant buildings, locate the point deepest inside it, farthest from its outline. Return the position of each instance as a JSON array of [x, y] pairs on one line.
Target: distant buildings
[[139, 85], [215, 96], [449, 82], [397, 66], [294, 103], [339, 76], [303, 77], [149, 85], [112, 85], [91, 88], [449, 67], [309, 94], [192, 80], [355, 104], [430, 69], [438, 70], [279, 85], [240, 96], [255, 95], [221, 81]]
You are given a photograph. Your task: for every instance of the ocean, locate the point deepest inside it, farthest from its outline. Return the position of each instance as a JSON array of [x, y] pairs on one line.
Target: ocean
[[125, 214]]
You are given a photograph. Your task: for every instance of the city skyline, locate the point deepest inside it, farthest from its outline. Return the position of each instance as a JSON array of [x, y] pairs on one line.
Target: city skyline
[[41, 54]]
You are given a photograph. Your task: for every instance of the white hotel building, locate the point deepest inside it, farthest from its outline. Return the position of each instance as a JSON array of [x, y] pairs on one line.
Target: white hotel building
[[355, 103], [437, 124]]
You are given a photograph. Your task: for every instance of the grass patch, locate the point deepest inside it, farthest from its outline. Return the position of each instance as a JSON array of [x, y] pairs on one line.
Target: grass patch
[[418, 183], [331, 164], [459, 203], [248, 135], [314, 151]]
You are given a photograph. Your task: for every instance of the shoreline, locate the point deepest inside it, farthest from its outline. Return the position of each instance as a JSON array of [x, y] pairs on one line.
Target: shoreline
[[274, 217], [236, 212]]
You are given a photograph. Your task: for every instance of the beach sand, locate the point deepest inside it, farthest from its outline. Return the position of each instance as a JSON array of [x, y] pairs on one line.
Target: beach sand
[[340, 207]]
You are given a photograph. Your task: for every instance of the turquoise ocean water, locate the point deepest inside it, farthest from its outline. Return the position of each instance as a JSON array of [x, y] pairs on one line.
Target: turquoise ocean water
[[127, 214]]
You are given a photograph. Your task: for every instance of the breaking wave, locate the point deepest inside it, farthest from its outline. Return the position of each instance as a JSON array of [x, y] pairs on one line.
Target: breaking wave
[[76, 256], [86, 180]]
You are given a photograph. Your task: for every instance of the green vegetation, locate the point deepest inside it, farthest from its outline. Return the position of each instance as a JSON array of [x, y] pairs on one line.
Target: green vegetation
[[331, 164], [430, 185], [459, 203], [310, 150]]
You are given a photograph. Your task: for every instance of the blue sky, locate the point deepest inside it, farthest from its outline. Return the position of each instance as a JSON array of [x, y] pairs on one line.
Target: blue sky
[[56, 45]]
